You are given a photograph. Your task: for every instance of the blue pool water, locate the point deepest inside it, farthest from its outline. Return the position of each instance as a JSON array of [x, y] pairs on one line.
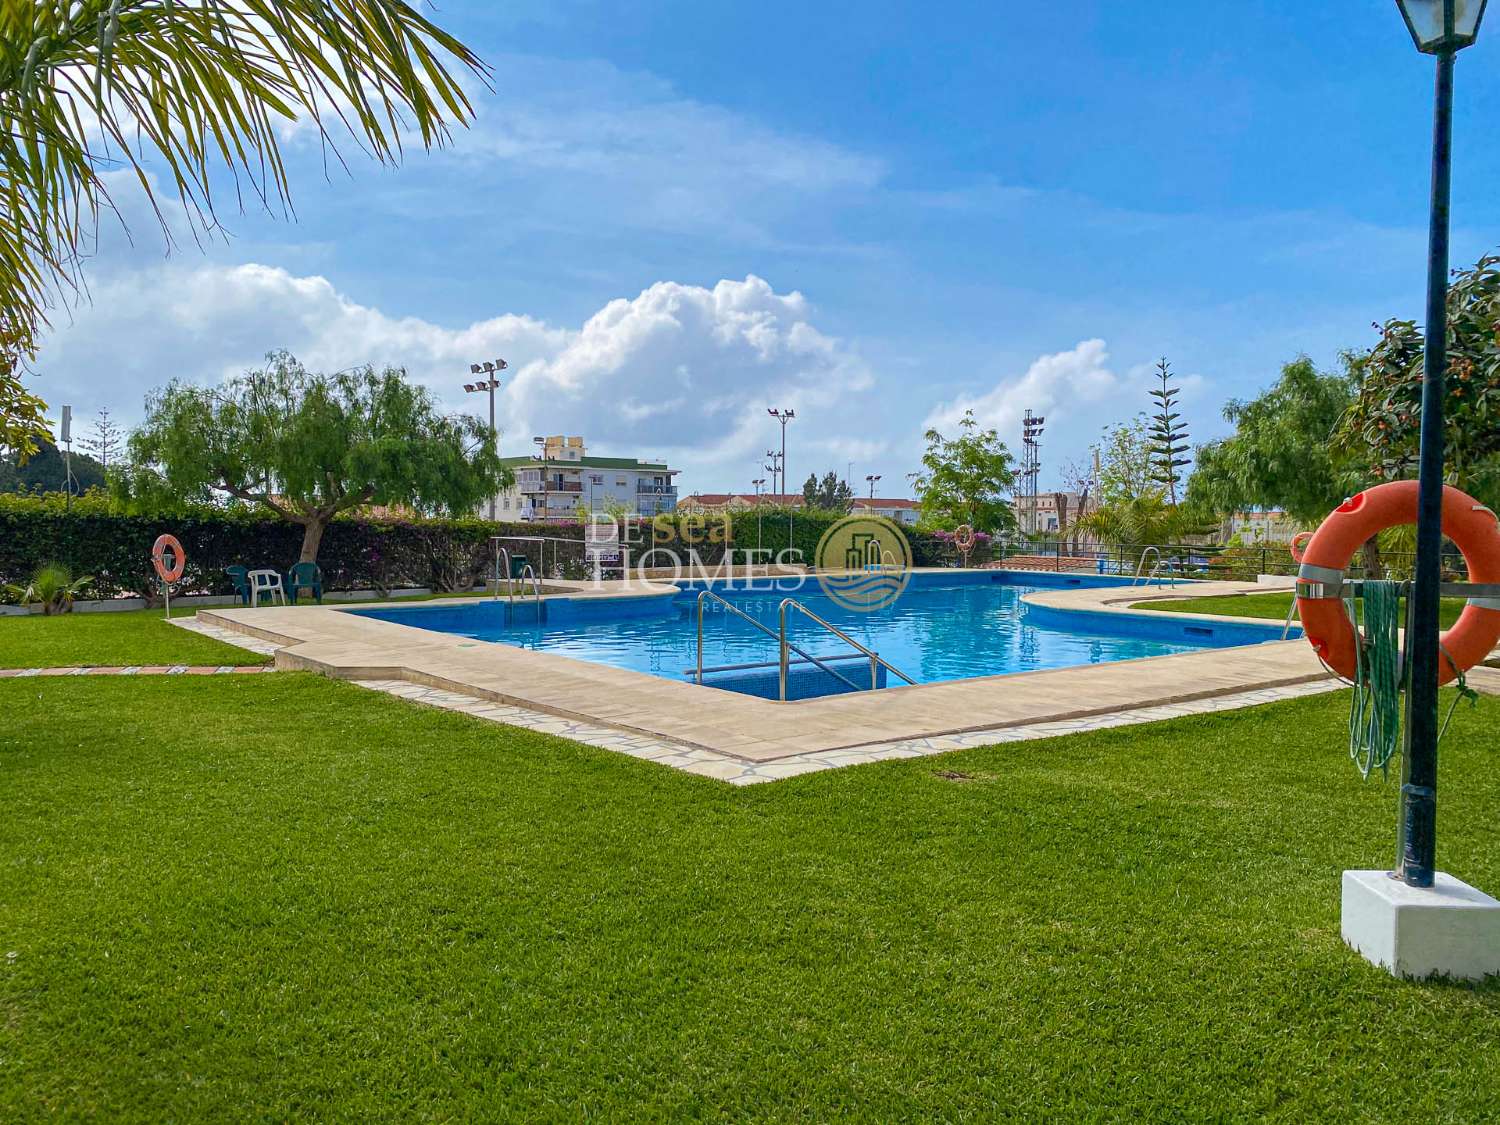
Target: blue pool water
[[942, 628]]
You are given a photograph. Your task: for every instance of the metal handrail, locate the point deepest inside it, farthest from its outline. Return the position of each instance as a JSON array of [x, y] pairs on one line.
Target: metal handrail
[[781, 640], [1291, 612], [770, 664], [503, 553], [1140, 566], [876, 661], [536, 585]]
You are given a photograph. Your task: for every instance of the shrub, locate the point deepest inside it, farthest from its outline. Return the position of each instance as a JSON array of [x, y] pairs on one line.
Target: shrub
[[52, 586], [356, 553]]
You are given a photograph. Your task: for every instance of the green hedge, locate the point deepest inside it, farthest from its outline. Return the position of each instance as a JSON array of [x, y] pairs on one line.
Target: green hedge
[[441, 554]]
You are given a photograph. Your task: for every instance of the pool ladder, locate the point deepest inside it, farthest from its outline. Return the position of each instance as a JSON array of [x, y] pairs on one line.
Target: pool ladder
[[785, 647], [1155, 573], [527, 571]]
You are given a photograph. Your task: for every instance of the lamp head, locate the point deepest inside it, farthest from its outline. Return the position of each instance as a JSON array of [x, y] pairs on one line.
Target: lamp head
[[1439, 26]]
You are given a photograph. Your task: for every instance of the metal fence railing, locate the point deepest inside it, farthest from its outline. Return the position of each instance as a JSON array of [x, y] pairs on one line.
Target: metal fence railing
[[1182, 560]]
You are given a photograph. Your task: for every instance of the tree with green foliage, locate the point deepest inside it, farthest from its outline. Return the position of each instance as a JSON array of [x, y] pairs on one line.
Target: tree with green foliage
[[309, 446], [103, 441], [23, 416], [180, 92], [1281, 453], [966, 480], [1168, 436], [48, 472], [1124, 462], [1382, 429], [1142, 521], [831, 494]]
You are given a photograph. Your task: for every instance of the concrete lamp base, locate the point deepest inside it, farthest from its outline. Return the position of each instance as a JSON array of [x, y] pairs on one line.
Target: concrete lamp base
[[1449, 929]]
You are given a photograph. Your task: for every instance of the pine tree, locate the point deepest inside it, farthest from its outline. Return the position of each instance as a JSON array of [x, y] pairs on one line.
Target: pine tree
[[104, 442], [1168, 436]]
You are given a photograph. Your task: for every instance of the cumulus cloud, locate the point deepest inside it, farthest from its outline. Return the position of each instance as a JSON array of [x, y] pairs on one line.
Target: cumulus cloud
[[1064, 383], [679, 370]]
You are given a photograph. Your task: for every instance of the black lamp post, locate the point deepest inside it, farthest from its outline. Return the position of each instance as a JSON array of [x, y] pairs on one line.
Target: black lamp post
[[1441, 28]]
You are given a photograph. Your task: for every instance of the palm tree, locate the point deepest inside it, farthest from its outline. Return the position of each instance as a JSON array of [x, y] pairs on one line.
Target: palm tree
[[1142, 521], [52, 586], [192, 87]]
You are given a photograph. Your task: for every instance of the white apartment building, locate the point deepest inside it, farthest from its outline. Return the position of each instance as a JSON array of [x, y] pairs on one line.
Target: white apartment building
[[560, 478]]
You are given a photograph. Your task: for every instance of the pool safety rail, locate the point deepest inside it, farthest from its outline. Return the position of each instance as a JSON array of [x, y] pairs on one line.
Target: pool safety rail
[[876, 663], [1154, 575], [507, 575], [785, 648]]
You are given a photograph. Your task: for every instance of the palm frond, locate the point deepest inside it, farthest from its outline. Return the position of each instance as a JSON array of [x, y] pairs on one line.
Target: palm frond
[[193, 87]]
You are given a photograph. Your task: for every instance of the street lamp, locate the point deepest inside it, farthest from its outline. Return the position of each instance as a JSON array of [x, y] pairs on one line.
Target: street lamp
[[1441, 28], [489, 384], [872, 480], [784, 416]]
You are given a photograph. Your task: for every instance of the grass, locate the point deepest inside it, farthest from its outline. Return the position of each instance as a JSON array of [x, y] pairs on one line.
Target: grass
[[313, 901], [128, 637], [1272, 606], [110, 639]]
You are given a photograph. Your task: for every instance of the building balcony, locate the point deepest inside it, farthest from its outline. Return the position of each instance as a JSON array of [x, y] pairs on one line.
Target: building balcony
[[656, 490], [543, 486]]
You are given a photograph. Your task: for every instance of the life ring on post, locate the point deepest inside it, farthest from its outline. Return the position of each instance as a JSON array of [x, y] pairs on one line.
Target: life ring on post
[[1472, 527], [168, 572], [963, 538]]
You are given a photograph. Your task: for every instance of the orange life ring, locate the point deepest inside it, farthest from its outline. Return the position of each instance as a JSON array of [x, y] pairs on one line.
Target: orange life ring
[[963, 538], [1473, 528], [1299, 544], [163, 544]]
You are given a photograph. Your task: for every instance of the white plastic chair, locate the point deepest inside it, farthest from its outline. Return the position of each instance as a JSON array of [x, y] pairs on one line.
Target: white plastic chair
[[266, 582]]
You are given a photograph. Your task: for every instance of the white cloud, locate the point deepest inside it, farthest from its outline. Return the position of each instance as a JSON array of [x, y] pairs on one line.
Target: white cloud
[[679, 370], [1066, 384], [593, 118], [580, 145]]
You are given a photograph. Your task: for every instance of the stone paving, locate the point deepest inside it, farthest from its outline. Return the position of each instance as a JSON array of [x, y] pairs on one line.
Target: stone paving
[[345, 646], [738, 771], [229, 637]]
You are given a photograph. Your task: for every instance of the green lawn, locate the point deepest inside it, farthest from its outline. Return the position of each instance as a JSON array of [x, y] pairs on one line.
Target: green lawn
[[110, 639], [312, 901], [1272, 606], [130, 637]]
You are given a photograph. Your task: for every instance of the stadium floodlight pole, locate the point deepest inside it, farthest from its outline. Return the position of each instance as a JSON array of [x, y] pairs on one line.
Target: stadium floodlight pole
[[872, 479], [784, 416], [489, 369], [1441, 28], [774, 468]]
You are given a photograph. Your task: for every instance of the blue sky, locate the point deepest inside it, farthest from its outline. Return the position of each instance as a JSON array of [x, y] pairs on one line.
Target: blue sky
[[989, 207]]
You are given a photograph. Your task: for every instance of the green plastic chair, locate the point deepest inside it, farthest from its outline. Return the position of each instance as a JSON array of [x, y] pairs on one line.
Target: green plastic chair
[[240, 576], [305, 576]]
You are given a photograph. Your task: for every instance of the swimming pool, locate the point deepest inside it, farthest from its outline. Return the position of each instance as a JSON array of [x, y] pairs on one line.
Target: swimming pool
[[943, 627]]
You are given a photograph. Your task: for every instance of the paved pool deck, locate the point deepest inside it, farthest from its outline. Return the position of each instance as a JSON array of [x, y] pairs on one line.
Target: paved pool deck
[[730, 731]]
